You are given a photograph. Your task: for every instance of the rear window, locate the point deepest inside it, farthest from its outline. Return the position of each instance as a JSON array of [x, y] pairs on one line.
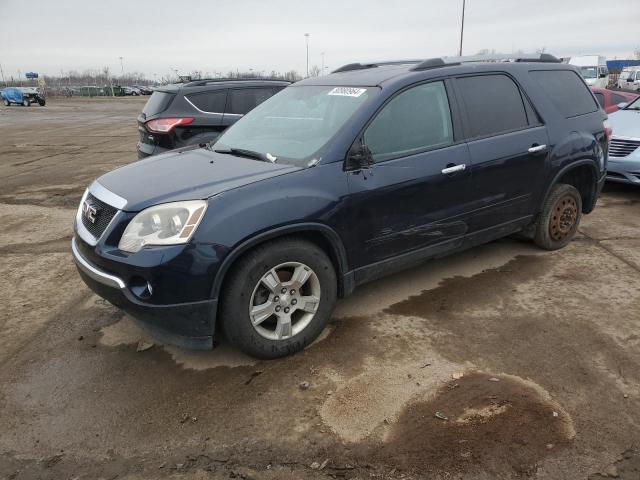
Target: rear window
[[567, 91], [494, 104], [211, 102], [157, 103]]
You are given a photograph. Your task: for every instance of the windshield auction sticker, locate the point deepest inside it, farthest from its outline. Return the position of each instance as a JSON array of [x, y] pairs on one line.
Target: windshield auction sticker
[[347, 91]]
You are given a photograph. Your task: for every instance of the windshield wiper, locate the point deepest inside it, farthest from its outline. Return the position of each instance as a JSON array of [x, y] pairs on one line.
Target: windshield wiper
[[241, 152]]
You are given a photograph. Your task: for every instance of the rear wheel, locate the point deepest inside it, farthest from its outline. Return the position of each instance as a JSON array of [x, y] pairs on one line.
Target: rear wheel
[[278, 298], [26, 102], [560, 217], [42, 102], [6, 102]]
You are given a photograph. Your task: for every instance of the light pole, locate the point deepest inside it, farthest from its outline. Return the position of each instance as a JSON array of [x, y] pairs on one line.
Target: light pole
[[322, 71], [306, 36], [462, 26], [121, 66]]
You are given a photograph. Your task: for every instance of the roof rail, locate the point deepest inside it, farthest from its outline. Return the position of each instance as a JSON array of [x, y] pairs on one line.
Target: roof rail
[[204, 81], [449, 61], [362, 66]]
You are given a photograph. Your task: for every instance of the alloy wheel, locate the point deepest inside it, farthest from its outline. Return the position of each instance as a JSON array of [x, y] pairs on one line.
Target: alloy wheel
[[284, 301]]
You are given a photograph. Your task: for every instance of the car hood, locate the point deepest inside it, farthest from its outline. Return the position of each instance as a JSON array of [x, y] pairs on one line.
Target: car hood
[[625, 123], [188, 174]]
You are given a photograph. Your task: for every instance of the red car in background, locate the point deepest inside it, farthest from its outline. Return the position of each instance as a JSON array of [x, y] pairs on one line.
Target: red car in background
[[609, 99]]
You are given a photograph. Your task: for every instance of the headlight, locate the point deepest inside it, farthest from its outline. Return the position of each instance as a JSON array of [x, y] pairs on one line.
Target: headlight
[[166, 224]]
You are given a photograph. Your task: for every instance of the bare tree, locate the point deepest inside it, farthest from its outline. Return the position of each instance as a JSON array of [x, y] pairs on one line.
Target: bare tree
[[314, 71]]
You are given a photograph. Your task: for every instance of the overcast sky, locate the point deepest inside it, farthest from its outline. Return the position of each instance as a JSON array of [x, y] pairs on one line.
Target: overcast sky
[[218, 35]]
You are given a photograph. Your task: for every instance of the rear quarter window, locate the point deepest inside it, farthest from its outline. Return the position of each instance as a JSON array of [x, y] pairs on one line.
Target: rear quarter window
[[567, 91], [211, 102], [158, 102]]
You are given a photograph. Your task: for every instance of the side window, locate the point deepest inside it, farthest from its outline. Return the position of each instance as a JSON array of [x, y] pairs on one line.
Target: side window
[[212, 102], [566, 90], [242, 100], [616, 99], [414, 120], [600, 98], [493, 103]]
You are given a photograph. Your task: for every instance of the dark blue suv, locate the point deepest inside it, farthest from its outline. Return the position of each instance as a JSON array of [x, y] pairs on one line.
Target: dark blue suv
[[336, 181]]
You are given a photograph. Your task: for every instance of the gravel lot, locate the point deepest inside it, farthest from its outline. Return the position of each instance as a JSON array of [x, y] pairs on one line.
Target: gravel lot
[[504, 361]]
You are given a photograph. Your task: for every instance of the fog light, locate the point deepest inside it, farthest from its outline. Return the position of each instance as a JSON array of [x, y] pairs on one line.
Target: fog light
[[141, 288]]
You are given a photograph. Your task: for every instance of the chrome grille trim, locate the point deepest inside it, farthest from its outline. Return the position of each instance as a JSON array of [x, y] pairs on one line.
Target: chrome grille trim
[[622, 147]]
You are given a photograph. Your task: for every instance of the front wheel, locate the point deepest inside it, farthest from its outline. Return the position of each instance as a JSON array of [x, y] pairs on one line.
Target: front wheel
[[26, 102], [560, 217], [279, 298], [6, 102]]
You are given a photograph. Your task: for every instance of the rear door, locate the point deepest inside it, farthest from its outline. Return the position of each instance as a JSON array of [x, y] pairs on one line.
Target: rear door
[[508, 149]]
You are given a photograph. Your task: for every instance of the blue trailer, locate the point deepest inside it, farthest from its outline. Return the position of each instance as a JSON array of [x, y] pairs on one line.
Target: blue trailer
[[24, 96]]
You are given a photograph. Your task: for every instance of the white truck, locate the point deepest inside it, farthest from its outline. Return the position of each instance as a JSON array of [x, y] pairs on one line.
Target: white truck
[[593, 69], [629, 78]]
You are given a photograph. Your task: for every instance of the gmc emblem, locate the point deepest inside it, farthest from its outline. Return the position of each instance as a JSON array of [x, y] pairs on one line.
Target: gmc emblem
[[90, 211]]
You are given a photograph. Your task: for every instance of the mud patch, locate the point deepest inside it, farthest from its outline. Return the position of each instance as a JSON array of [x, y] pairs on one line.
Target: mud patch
[[627, 467], [514, 426]]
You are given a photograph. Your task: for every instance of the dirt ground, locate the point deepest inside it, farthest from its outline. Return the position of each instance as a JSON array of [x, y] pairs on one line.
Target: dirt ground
[[501, 362]]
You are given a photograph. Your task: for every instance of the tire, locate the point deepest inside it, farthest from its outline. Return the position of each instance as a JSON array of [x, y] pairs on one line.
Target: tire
[[560, 217], [42, 103], [6, 102], [26, 102], [248, 288]]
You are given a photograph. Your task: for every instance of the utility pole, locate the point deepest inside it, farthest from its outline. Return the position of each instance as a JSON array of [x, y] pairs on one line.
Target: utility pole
[[322, 71], [306, 36], [2, 73], [462, 26], [121, 66]]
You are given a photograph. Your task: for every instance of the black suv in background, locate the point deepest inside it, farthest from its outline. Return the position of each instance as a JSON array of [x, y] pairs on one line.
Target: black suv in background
[[334, 182], [197, 112]]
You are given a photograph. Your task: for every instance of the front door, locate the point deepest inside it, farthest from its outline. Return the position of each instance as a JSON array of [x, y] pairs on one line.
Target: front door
[[416, 195]]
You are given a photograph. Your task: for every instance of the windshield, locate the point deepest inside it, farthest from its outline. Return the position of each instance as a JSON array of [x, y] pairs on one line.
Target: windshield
[[589, 72], [625, 74], [635, 105], [296, 123]]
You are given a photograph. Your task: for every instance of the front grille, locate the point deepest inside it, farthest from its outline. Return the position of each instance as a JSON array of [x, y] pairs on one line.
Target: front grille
[[620, 147], [104, 215]]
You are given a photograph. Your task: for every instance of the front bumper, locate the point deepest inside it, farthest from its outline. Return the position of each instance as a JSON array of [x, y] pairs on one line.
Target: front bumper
[[624, 170], [187, 325]]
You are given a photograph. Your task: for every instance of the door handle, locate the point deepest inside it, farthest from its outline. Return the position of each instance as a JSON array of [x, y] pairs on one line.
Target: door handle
[[453, 169], [537, 148]]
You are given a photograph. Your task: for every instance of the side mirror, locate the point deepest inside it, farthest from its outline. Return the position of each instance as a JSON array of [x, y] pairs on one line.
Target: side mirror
[[358, 157], [622, 105]]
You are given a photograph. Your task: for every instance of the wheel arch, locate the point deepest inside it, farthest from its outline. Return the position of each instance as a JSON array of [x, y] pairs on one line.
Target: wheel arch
[[322, 235], [583, 175]]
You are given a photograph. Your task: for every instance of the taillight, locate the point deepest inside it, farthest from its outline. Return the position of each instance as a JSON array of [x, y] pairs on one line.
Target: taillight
[[165, 125], [608, 131]]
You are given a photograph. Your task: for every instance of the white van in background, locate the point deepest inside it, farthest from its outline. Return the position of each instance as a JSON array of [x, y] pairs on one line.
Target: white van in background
[[593, 69], [629, 78]]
